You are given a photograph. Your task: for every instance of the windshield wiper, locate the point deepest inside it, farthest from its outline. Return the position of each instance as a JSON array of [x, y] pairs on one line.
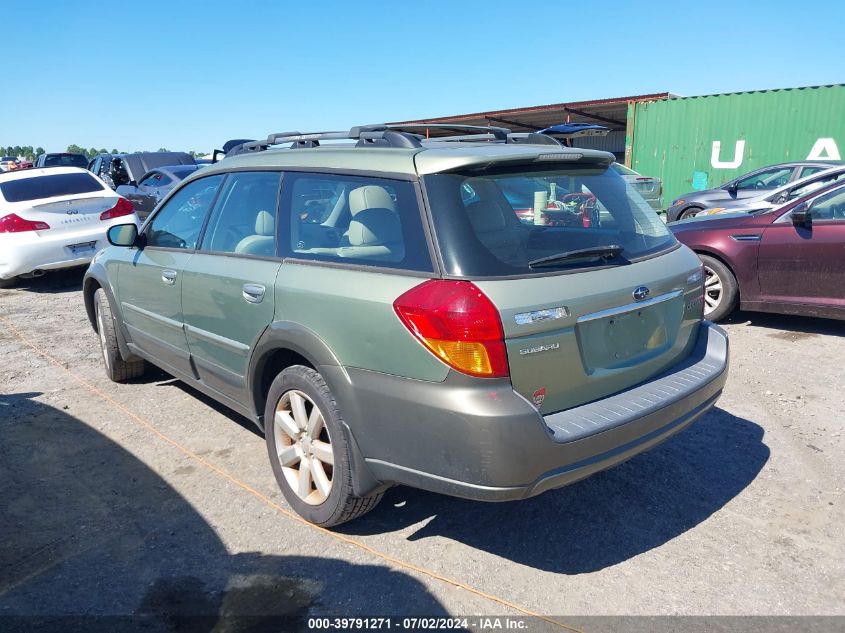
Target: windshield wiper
[[606, 252]]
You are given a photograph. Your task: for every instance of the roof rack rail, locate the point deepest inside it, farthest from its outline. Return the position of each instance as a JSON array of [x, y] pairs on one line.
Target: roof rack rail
[[366, 135], [500, 133]]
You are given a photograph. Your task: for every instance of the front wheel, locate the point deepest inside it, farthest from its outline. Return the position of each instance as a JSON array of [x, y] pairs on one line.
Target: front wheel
[[117, 369], [689, 212], [720, 289], [308, 450]]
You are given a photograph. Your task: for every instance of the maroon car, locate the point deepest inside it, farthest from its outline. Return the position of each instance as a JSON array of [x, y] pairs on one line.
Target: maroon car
[[789, 260]]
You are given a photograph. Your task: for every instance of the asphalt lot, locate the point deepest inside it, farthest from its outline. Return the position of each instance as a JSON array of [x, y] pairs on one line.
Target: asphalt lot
[[148, 498]]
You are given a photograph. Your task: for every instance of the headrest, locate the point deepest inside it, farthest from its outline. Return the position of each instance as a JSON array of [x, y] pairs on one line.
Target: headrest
[[374, 227], [370, 197], [265, 224], [486, 216]]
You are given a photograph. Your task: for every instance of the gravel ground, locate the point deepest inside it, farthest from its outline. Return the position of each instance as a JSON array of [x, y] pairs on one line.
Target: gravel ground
[[148, 498]]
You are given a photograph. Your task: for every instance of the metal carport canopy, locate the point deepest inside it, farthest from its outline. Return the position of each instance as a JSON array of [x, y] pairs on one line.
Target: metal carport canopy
[[609, 112]]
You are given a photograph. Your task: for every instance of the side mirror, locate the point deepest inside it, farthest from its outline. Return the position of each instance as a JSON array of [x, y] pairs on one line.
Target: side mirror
[[123, 235], [801, 216], [731, 188]]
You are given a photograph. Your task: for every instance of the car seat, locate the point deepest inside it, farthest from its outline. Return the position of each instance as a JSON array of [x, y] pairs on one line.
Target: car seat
[[264, 240], [375, 231]]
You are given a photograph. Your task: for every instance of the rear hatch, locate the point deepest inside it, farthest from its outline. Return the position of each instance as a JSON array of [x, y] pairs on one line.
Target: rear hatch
[[593, 301]]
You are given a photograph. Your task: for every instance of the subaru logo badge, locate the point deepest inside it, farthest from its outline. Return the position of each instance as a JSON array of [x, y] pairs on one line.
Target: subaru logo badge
[[641, 293]]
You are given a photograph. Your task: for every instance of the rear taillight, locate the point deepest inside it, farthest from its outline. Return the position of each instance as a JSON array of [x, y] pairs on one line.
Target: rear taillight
[[123, 207], [15, 224], [458, 324]]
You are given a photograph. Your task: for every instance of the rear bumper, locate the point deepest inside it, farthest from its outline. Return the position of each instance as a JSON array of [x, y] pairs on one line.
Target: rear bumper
[[486, 442], [22, 253]]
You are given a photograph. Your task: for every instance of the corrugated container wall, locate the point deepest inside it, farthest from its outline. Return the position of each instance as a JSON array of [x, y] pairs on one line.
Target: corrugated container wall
[[698, 143]]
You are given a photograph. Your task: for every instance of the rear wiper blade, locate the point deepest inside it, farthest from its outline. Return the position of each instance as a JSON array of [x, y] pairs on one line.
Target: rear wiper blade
[[606, 252]]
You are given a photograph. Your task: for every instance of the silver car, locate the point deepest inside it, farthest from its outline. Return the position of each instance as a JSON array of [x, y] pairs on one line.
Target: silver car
[[651, 189], [775, 197]]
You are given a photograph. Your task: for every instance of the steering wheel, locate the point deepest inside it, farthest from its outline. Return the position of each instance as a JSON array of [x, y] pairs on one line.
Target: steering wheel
[[760, 184]]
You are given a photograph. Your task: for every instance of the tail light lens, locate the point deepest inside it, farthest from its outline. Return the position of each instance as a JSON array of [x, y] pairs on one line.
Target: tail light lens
[[458, 324], [15, 224], [123, 207]]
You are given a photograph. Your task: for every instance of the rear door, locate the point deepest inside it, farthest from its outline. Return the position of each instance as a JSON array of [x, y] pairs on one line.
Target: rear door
[[228, 285], [150, 283]]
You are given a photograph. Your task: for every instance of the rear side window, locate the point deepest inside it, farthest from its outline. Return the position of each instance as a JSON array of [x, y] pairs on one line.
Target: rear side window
[[518, 222], [244, 217], [40, 187], [178, 223], [354, 220]]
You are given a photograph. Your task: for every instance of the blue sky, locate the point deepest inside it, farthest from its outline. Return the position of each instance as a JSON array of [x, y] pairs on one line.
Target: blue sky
[[189, 75]]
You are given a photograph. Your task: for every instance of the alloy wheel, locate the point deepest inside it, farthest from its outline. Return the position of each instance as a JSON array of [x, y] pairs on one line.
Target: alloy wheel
[[304, 447], [101, 329], [712, 290]]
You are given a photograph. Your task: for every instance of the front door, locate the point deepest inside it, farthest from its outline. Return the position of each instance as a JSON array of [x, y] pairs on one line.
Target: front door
[[150, 282], [806, 265], [228, 285]]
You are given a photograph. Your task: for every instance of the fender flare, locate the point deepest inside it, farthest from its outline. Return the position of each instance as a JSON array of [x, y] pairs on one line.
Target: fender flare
[[97, 276]]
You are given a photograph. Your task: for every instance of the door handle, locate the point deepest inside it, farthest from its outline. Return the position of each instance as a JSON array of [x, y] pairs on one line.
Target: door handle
[[168, 277], [253, 293]]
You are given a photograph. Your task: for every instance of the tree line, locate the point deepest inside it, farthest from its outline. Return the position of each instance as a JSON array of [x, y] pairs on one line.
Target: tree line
[[28, 152]]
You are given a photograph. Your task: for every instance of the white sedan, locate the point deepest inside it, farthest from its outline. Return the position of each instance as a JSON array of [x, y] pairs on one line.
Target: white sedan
[[54, 218]]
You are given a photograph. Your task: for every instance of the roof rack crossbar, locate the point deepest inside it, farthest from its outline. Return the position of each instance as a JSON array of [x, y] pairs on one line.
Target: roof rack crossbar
[[500, 133]]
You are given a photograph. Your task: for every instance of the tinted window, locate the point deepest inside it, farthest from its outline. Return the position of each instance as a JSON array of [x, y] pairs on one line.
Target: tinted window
[[183, 172], [499, 224], [810, 187], [357, 220], [809, 171], [179, 222], [65, 160], [768, 179], [829, 206], [39, 187], [156, 179], [244, 217]]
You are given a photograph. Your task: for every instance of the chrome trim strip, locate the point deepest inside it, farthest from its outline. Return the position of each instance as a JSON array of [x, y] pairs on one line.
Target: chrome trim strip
[[746, 238], [631, 307], [176, 325], [220, 341]]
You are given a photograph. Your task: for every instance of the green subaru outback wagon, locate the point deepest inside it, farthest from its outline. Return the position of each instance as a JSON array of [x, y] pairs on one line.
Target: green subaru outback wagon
[[490, 315]]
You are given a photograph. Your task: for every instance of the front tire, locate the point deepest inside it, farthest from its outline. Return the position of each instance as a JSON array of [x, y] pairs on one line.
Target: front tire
[[721, 290], [117, 369], [8, 283], [689, 212], [308, 452]]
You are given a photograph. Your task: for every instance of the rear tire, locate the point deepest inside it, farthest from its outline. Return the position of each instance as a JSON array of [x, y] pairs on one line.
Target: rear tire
[[117, 369], [304, 432], [721, 290]]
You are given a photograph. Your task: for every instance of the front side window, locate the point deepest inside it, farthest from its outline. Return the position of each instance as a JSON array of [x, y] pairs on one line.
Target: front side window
[[354, 220], [768, 179], [829, 206], [179, 222], [810, 187], [515, 222], [244, 217]]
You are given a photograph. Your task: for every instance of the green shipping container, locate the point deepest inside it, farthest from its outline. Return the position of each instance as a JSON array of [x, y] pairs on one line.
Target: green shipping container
[[697, 143]]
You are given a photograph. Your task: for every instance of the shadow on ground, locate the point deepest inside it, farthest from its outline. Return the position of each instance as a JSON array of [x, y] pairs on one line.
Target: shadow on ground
[[800, 325], [91, 536], [53, 282], [601, 521]]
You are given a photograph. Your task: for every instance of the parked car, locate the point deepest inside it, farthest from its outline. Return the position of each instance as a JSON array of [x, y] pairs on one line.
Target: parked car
[[384, 325], [25, 164], [778, 196], [128, 169], [154, 186], [61, 159], [750, 185], [787, 260], [8, 163], [651, 189], [54, 218]]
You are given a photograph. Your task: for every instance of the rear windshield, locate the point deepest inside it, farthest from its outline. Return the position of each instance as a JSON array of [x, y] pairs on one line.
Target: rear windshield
[[623, 170], [38, 187], [65, 160], [501, 224], [184, 172]]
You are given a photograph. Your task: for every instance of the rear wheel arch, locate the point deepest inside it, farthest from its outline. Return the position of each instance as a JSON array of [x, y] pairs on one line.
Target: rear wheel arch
[[724, 261]]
